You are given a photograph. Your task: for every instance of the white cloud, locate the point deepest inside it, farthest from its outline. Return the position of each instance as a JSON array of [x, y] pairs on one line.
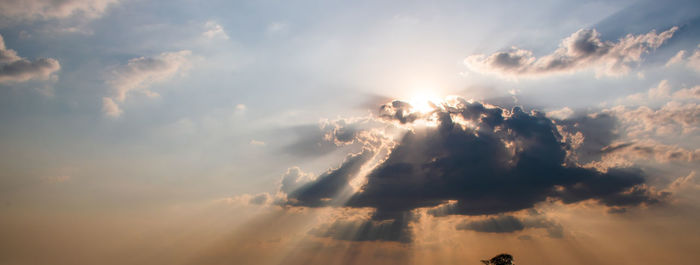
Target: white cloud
[[214, 31], [582, 50], [14, 68]]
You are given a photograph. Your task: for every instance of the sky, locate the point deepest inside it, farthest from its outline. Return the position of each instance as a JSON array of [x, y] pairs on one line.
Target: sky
[[361, 132]]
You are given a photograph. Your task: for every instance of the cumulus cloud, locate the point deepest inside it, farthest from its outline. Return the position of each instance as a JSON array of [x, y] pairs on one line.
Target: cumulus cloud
[[23, 10], [140, 73], [582, 50], [476, 160], [14, 68]]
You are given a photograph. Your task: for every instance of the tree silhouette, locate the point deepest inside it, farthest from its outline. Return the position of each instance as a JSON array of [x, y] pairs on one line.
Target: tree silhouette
[[501, 259]]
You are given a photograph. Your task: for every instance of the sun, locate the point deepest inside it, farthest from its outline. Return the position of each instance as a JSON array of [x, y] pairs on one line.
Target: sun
[[424, 101]]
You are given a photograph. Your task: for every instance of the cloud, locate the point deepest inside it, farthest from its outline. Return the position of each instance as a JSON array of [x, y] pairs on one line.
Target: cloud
[[329, 135], [29, 10], [257, 143], [501, 224], [366, 229], [685, 182], [687, 93], [510, 224], [260, 199], [676, 59], [399, 110], [672, 119], [561, 114], [625, 153], [241, 107], [14, 68], [662, 93], [692, 61], [277, 28], [293, 179], [214, 31], [110, 108], [582, 50], [324, 190], [586, 135], [140, 73], [476, 160]]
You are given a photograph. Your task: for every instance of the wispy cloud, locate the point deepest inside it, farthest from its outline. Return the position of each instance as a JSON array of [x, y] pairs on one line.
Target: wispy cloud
[[142, 72]]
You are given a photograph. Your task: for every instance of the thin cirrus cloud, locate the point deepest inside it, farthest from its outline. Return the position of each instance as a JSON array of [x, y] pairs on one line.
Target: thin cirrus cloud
[[14, 68], [477, 160], [139, 74], [583, 50]]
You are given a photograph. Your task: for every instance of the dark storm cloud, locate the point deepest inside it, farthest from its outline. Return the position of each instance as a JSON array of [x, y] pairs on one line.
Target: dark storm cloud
[[485, 160], [507, 162]]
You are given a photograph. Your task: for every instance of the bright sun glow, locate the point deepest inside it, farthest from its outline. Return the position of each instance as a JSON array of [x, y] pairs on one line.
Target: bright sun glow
[[423, 101]]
